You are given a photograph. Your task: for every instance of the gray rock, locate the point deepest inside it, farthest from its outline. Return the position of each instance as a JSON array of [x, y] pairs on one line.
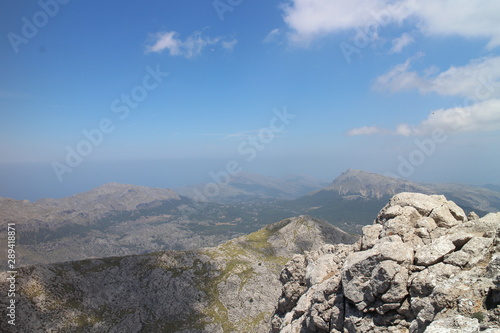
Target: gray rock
[[393, 248], [320, 324], [423, 203], [399, 287], [443, 217], [396, 280], [423, 283], [456, 324], [427, 223], [471, 253], [434, 252], [371, 234], [472, 216]]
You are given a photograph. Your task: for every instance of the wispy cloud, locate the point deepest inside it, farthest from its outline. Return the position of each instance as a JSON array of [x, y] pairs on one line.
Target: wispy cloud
[[312, 19], [480, 117], [229, 44], [243, 135], [190, 47], [272, 36], [478, 82], [365, 130], [398, 44], [480, 79]]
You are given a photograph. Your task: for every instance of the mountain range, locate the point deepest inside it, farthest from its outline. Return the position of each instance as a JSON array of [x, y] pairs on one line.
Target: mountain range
[[231, 287], [118, 219], [355, 196], [422, 266], [245, 186]]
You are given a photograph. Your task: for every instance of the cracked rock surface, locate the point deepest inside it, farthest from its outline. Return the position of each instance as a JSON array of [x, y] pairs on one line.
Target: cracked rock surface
[[423, 266]]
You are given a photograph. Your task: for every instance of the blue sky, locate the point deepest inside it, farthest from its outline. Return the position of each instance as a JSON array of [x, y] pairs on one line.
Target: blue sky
[[393, 87]]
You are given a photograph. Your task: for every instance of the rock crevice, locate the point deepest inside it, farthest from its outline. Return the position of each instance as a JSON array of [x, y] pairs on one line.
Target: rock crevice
[[423, 266]]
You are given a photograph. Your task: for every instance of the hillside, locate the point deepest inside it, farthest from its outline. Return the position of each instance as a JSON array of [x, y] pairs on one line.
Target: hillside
[[113, 219], [492, 187], [231, 287], [246, 186], [83, 208], [118, 219], [354, 197]]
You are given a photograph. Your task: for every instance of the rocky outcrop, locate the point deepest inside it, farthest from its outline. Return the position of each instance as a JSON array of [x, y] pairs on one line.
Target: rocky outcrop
[[423, 266]]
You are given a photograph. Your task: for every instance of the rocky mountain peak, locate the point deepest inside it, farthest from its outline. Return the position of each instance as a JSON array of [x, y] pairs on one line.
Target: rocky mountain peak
[[423, 266], [302, 233], [358, 183]]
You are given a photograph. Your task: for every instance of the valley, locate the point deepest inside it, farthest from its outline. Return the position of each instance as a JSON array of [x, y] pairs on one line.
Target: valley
[[118, 219]]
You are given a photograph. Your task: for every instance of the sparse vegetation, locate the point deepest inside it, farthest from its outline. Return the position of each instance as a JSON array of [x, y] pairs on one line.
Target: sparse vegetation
[[479, 316]]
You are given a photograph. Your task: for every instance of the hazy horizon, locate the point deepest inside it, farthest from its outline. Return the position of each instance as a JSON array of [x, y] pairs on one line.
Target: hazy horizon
[[163, 93], [33, 181]]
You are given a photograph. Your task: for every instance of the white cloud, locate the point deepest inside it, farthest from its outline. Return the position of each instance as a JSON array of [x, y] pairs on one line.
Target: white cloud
[[310, 19], [165, 40], [229, 45], [480, 117], [466, 18], [398, 44], [190, 47], [478, 80]]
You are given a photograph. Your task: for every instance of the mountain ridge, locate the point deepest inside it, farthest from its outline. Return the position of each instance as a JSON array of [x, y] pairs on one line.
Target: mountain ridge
[[120, 219], [248, 186], [96, 202], [230, 287], [355, 196], [422, 262], [366, 184]]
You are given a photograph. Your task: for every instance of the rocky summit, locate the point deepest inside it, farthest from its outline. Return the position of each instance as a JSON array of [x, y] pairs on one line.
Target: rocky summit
[[423, 266]]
